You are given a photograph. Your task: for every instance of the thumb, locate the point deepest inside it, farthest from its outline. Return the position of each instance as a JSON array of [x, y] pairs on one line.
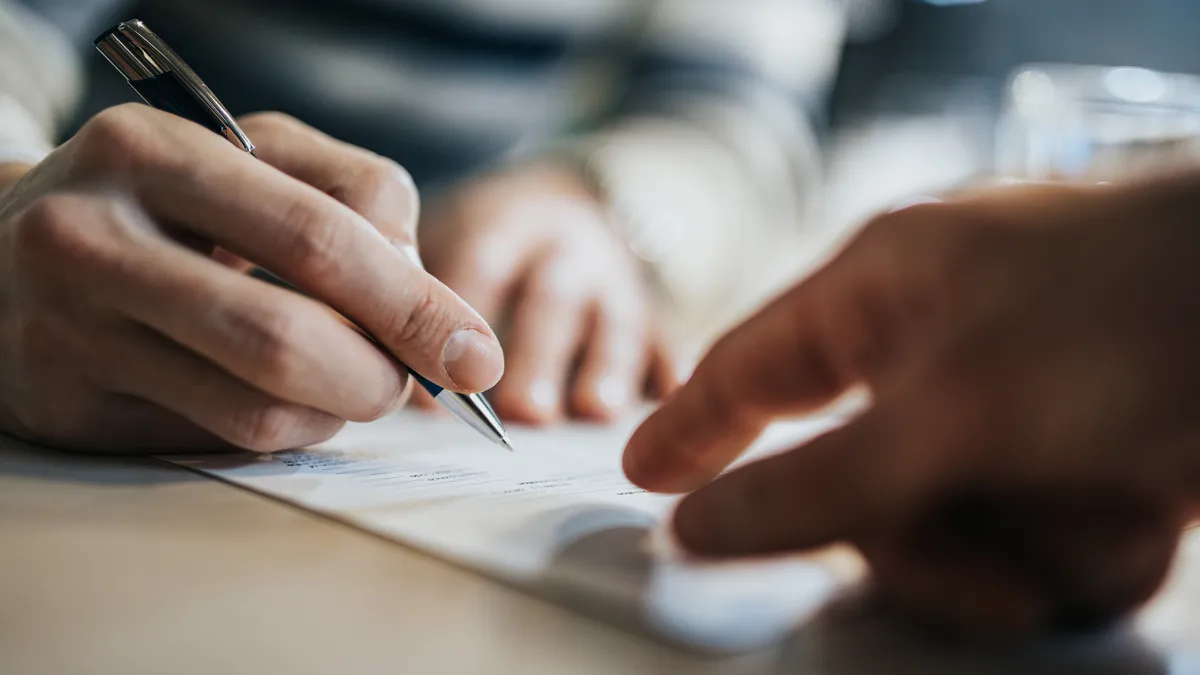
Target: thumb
[[842, 483]]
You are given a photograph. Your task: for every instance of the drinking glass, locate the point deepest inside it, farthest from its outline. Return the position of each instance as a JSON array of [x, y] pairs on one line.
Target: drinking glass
[[1095, 123]]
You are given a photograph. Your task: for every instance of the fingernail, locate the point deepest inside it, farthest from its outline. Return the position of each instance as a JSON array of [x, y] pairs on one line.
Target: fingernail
[[473, 361], [612, 393], [544, 394], [410, 251]]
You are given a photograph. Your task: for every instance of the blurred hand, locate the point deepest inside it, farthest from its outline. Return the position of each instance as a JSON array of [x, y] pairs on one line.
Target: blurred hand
[[529, 249], [1031, 449], [119, 328]]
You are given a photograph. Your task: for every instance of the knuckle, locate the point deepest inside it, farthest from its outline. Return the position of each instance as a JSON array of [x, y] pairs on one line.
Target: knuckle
[[316, 238], [322, 430], [473, 259], [874, 230], [509, 401], [418, 324], [763, 491], [555, 284], [363, 185], [279, 426], [63, 237], [80, 420], [43, 340], [266, 428], [403, 177], [50, 230], [379, 173], [272, 119], [118, 137], [389, 401], [62, 418], [718, 397], [376, 187], [971, 239], [941, 251], [886, 228], [112, 127], [552, 295], [627, 307], [272, 337], [966, 253], [60, 426], [955, 233], [45, 227]]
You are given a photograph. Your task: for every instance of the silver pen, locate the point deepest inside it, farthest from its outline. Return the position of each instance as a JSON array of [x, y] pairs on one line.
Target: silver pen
[[165, 82]]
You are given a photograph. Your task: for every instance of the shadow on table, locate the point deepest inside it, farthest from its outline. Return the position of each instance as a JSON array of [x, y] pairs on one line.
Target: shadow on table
[[855, 637], [849, 636], [24, 460]]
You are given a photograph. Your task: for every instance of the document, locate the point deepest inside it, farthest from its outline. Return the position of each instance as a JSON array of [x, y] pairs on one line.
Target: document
[[556, 518]]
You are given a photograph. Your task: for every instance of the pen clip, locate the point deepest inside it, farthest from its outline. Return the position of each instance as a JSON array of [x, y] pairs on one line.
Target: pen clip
[[140, 54]]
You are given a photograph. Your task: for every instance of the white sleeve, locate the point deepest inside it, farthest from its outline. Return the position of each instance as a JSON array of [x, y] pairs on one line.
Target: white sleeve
[[40, 84]]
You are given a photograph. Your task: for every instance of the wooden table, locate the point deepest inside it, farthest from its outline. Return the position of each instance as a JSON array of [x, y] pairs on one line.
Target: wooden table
[[131, 566]]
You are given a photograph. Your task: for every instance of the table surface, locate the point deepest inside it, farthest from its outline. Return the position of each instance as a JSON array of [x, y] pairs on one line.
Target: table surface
[[130, 565]]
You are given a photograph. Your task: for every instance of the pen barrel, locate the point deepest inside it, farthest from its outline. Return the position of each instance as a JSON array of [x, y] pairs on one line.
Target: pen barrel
[[168, 94], [433, 389]]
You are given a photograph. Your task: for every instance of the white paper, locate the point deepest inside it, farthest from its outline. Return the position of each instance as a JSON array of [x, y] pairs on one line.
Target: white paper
[[556, 517]]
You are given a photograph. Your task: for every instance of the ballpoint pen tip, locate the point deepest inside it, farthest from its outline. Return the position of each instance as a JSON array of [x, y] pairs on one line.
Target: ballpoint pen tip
[[507, 443]]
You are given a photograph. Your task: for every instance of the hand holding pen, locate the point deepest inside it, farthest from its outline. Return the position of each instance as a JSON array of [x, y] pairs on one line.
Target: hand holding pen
[[131, 325]]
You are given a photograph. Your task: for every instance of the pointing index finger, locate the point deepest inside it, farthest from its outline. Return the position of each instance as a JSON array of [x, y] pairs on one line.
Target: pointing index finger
[[794, 356]]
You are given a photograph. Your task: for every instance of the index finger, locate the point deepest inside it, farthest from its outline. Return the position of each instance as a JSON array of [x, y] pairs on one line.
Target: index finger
[[380, 190], [800, 352], [197, 181]]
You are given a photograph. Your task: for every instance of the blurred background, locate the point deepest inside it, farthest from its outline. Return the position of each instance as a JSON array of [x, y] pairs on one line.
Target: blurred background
[[735, 141], [944, 93]]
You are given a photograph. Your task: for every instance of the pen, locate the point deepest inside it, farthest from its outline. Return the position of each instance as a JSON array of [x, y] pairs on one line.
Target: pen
[[165, 82]]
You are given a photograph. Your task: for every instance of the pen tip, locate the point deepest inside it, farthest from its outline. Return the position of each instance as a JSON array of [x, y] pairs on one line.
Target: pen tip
[[506, 443]]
